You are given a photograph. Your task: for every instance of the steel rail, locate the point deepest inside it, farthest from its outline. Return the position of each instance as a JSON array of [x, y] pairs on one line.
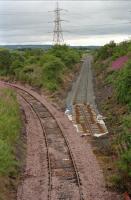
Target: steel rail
[[62, 132], [46, 142], [86, 120]]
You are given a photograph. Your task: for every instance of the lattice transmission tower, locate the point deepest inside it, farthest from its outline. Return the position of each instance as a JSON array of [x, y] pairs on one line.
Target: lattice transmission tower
[[58, 32]]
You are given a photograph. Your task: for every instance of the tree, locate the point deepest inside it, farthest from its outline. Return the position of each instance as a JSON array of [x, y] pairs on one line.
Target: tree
[[5, 60]]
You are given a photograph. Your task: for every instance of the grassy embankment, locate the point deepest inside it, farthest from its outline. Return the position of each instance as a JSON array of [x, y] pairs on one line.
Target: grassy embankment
[[113, 83], [37, 67], [10, 128]]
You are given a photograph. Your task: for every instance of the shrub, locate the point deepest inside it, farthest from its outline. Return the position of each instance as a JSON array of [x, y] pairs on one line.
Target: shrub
[[46, 58], [10, 126], [37, 67], [7, 159], [125, 164], [52, 72], [5, 60], [106, 51], [67, 55], [123, 85], [127, 122]]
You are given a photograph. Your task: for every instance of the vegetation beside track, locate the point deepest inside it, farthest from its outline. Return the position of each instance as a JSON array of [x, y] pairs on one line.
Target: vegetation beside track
[[10, 128], [113, 91], [49, 70], [37, 67]]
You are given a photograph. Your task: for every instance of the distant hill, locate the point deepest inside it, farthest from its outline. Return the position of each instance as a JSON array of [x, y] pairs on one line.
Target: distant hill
[[87, 47], [44, 47], [26, 46]]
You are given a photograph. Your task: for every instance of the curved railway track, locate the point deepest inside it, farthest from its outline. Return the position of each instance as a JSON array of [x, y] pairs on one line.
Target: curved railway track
[[63, 180]]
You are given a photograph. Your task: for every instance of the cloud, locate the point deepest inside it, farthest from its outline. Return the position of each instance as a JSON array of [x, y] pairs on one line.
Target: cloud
[[27, 21]]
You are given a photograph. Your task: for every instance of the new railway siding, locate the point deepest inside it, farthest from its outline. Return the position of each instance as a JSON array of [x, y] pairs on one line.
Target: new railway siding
[[81, 100]]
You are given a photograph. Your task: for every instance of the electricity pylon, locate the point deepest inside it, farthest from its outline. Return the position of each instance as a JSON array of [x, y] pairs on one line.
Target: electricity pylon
[[58, 32]]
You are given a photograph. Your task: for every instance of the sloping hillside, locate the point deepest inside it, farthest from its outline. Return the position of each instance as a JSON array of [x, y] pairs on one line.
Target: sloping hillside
[[112, 75]]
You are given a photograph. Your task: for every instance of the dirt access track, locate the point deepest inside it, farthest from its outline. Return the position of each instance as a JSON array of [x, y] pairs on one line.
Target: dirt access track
[[59, 163]]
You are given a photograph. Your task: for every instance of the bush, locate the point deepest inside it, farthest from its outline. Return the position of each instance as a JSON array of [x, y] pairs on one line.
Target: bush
[[46, 58], [106, 51], [125, 165], [52, 72], [122, 178], [70, 58], [127, 122], [7, 159], [67, 55], [123, 85], [37, 67], [10, 127], [5, 61], [113, 51]]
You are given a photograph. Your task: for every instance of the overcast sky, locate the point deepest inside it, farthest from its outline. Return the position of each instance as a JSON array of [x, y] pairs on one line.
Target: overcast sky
[[90, 22]]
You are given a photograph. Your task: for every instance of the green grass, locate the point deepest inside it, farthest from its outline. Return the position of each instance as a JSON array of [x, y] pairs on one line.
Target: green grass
[[10, 126], [123, 85]]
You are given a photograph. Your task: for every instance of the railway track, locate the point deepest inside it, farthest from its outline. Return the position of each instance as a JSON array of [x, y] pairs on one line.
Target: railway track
[[85, 116], [63, 177], [84, 110], [80, 92]]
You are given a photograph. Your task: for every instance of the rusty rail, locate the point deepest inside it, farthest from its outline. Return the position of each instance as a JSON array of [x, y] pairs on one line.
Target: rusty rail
[[44, 132]]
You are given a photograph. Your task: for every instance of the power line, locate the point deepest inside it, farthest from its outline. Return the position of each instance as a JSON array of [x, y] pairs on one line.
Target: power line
[[58, 32]]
